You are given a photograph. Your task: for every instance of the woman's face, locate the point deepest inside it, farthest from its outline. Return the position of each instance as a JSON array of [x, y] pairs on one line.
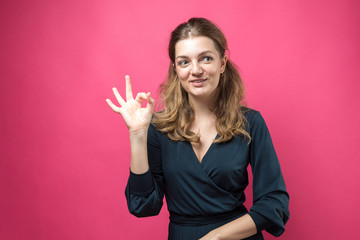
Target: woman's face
[[198, 65]]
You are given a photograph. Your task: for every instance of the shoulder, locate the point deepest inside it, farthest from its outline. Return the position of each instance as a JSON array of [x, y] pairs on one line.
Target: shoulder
[[254, 119], [250, 114]]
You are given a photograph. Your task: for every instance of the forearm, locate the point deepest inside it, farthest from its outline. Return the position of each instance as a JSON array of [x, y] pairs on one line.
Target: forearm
[[240, 228], [139, 157]]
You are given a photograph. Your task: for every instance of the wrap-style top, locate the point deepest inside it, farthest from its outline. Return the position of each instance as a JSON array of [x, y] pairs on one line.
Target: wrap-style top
[[204, 193]]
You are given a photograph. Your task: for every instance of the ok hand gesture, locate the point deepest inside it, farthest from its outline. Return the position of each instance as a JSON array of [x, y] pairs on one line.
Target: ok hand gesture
[[135, 117]]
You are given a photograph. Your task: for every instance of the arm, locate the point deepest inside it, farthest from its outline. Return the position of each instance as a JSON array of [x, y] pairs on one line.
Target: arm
[[139, 158], [270, 210], [144, 189], [137, 120]]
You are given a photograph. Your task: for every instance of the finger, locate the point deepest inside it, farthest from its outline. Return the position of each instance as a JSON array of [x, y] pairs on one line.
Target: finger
[[113, 106], [140, 97], [150, 101], [118, 96], [129, 95]]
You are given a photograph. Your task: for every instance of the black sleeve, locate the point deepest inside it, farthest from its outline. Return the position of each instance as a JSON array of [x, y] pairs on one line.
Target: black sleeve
[[145, 192], [270, 210]]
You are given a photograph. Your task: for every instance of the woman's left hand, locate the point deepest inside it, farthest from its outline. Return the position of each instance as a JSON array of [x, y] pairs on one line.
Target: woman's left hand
[[211, 236], [239, 228]]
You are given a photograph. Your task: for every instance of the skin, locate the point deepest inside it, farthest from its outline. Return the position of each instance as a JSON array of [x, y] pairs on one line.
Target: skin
[[137, 120], [196, 58]]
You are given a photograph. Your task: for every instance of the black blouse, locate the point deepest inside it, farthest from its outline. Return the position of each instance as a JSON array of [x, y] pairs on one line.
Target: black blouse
[[199, 193]]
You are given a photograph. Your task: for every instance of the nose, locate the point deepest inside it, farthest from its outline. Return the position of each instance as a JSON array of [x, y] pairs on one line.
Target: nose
[[196, 68]]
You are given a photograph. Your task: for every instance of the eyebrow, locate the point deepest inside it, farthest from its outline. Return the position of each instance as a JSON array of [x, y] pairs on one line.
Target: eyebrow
[[202, 53]]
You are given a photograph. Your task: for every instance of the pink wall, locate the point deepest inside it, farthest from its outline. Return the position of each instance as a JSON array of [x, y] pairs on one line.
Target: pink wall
[[65, 154]]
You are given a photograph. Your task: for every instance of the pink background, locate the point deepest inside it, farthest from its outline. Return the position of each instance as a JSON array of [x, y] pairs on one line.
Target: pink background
[[65, 154]]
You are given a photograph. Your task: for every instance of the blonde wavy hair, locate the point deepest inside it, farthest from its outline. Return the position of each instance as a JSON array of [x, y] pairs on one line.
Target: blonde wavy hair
[[177, 114]]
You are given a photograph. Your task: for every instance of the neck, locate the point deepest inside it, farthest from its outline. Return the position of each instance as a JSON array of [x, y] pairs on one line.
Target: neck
[[202, 106]]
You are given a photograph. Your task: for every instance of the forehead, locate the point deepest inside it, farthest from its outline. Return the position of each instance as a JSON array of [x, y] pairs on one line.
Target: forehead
[[194, 45]]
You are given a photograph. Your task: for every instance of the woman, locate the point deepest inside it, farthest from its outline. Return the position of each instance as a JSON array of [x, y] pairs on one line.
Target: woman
[[197, 149]]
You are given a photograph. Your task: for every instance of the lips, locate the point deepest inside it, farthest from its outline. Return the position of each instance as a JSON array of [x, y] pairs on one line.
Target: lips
[[198, 80]]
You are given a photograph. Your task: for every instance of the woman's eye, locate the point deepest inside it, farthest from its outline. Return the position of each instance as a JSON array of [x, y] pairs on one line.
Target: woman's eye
[[207, 59], [182, 63]]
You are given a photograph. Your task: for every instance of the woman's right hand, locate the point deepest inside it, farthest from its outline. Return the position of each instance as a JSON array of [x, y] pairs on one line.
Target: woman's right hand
[[135, 117]]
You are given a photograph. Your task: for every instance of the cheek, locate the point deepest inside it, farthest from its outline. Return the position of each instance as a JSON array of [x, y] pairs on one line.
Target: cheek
[[183, 83], [212, 69], [217, 70], [182, 73]]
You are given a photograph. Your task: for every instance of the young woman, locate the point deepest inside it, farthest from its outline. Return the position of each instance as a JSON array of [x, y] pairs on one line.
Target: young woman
[[196, 150]]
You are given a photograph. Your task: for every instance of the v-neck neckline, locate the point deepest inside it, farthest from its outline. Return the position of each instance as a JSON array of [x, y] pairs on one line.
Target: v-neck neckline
[[206, 153]]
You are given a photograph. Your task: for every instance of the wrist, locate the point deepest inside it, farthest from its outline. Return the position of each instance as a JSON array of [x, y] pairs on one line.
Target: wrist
[[138, 132]]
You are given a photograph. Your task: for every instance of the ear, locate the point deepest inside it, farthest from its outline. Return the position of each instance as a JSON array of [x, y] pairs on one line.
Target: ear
[[223, 63]]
